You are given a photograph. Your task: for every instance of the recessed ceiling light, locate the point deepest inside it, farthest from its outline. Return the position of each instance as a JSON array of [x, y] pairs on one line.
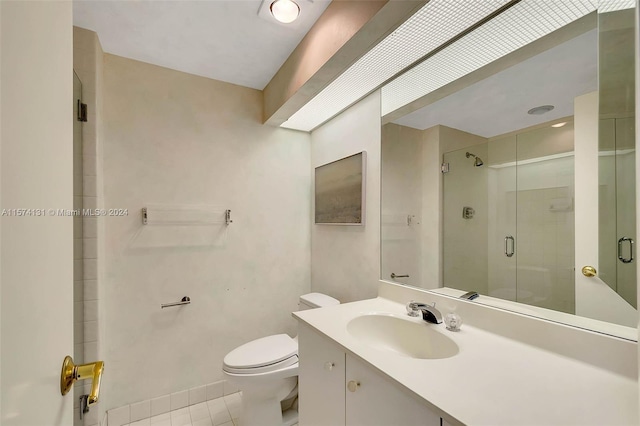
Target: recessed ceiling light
[[540, 110], [285, 11], [559, 124]]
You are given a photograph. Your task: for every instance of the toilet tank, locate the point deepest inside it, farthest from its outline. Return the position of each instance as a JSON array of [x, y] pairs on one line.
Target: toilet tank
[[316, 300]]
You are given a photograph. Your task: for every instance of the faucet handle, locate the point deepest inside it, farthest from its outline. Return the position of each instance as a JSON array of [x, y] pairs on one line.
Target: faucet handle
[[412, 309]]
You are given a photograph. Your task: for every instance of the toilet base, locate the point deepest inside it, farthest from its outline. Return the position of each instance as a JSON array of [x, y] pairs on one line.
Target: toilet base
[[261, 402], [290, 417]]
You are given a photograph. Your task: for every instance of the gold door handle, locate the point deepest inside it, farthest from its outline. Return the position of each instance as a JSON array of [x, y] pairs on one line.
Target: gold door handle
[[589, 271], [71, 372]]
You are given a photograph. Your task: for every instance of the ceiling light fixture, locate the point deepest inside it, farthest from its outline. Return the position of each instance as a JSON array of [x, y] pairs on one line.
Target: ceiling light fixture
[[559, 124], [285, 11], [540, 110]]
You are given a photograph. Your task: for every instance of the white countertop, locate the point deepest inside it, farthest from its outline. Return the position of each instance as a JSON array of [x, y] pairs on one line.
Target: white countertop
[[492, 380]]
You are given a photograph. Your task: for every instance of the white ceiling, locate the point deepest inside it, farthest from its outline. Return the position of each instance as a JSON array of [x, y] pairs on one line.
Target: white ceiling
[[499, 104], [220, 39]]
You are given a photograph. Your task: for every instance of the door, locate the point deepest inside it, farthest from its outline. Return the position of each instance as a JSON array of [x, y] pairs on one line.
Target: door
[[36, 248]]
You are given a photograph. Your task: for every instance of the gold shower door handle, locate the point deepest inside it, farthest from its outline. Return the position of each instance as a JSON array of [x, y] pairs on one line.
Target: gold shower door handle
[[589, 271], [71, 372]]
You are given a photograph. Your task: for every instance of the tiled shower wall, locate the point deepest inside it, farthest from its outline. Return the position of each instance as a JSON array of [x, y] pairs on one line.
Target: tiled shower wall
[[87, 63]]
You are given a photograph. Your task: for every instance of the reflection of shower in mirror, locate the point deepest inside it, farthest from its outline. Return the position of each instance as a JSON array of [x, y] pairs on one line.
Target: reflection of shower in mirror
[[478, 161]]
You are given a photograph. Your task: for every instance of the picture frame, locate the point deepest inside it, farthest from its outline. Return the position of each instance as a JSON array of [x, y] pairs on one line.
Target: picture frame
[[339, 191]]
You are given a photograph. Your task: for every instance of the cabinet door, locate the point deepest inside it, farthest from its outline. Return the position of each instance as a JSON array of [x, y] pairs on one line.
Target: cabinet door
[[376, 400], [321, 380]]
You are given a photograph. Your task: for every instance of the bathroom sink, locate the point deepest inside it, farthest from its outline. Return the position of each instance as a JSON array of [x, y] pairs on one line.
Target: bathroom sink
[[404, 337]]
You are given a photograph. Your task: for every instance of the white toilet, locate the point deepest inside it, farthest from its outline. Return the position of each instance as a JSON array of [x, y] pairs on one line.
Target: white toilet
[[266, 371]]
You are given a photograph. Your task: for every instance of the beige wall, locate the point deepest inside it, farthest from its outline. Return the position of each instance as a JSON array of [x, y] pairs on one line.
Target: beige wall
[[178, 139], [345, 260], [414, 157], [401, 201]]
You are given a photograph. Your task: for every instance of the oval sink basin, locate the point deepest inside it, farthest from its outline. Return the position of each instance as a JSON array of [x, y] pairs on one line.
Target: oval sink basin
[[403, 337]]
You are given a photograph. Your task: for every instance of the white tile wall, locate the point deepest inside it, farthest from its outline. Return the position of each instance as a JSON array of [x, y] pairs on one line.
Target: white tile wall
[[90, 227], [229, 388], [90, 290], [87, 63], [140, 410], [119, 416], [215, 390], [160, 405], [197, 395], [90, 245], [179, 400]]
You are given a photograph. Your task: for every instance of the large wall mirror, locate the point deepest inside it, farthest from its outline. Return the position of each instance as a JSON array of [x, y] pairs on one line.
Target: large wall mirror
[[508, 165]]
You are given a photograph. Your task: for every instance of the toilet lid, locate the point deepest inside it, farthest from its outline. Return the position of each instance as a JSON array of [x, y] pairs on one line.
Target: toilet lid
[[262, 352]]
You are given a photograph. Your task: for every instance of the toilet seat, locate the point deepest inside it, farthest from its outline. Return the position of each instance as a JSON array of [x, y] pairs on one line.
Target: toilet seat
[[262, 355]]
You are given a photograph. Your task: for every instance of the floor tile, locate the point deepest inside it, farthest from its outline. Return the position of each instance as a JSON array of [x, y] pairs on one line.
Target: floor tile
[[218, 411], [161, 420], [199, 411], [179, 412], [183, 420], [215, 412], [234, 404], [203, 422]]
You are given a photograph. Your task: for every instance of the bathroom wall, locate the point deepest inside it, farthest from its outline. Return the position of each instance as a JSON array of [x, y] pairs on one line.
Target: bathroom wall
[[176, 139], [89, 317], [465, 240], [438, 140], [345, 260], [411, 170], [401, 203]]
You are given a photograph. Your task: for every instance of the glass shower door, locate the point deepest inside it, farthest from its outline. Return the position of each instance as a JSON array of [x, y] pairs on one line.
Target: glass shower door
[[618, 218], [502, 224], [545, 218]]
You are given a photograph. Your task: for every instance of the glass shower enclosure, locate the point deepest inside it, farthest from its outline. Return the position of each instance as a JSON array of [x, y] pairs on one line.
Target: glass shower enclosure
[[509, 218]]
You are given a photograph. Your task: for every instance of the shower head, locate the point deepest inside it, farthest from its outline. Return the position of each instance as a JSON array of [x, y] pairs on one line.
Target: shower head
[[478, 161]]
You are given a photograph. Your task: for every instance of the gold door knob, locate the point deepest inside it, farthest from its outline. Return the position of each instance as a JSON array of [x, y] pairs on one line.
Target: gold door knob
[[589, 271], [71, 372], [353, 385]]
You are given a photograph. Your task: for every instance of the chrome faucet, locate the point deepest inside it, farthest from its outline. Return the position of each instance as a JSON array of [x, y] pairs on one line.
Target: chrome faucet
[[429, 312]]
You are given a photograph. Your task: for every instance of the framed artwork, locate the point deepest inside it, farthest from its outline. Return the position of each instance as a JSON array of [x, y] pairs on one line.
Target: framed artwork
[[339, 191]]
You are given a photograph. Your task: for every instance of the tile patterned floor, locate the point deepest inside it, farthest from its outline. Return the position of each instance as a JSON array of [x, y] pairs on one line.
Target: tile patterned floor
[[216, 412]]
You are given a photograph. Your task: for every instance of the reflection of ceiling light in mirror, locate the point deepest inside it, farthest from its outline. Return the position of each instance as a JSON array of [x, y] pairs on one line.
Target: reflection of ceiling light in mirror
[[559, 124], [433, 25], [540, 110], [516, 27], [285, 11]]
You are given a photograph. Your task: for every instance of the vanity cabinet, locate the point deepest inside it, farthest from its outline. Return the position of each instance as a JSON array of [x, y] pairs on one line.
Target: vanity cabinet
[[336, 388]]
